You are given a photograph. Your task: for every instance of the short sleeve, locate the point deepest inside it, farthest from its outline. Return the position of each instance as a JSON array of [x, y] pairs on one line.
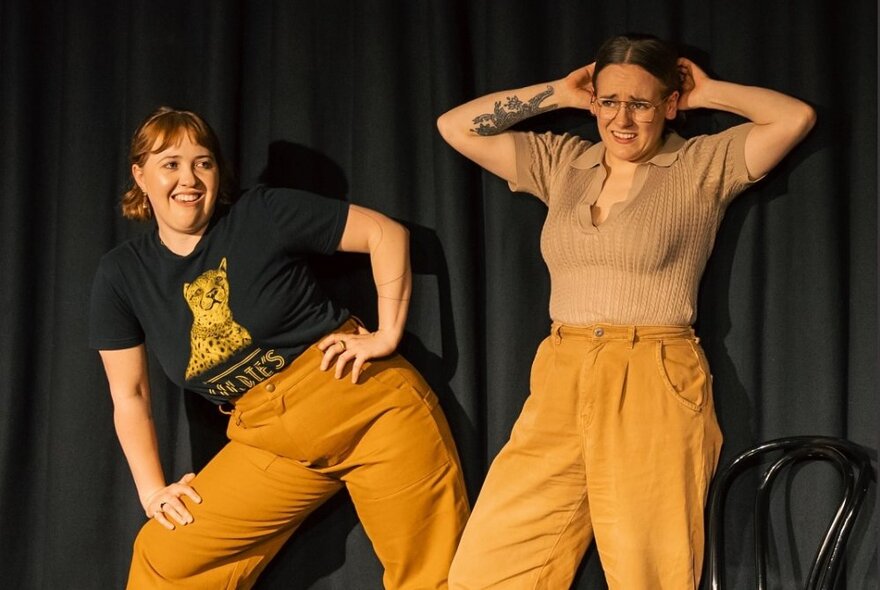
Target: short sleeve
[[540, 157], [306, 222], [722, 156], [112, 323]]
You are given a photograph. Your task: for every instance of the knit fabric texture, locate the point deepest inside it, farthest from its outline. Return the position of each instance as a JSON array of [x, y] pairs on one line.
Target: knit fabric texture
[[642, 265]]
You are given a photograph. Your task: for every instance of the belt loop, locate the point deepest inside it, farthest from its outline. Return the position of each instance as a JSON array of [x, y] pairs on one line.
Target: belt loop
[[632, 336], [557, 333], [231, 411]]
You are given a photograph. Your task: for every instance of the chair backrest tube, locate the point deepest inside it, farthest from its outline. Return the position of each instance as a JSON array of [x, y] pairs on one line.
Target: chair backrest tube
[[850, 461]]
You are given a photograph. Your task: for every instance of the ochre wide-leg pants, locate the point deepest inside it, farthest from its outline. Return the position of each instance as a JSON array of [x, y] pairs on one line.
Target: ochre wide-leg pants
[[617, 443], [295, 440]]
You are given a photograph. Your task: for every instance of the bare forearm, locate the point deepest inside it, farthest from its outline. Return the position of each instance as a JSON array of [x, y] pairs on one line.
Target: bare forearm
[[387, 243], [759, 105], [137, 436], [496, 112], [389, 257], [477, 128], [781, 121]]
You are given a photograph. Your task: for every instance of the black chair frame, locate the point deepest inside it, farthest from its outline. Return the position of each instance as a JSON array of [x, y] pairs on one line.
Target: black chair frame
[[854, 467]]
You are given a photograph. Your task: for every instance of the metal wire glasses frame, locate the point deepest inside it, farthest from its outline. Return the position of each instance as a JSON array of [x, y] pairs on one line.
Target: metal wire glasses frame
[[641, 111]]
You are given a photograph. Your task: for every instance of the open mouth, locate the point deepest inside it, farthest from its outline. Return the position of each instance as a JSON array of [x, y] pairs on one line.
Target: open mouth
[[187, 197], [623, 136]]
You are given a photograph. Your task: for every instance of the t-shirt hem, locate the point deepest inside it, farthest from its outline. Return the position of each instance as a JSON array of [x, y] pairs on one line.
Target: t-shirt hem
[[115, 344]]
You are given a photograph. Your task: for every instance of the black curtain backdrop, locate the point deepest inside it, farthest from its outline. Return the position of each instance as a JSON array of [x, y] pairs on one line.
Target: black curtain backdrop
[[340, 97]]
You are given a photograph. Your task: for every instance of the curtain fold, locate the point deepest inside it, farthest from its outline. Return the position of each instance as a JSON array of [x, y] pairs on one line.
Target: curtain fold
[[341, 98]]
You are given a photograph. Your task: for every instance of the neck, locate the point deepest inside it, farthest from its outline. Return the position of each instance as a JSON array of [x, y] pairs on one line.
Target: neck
[[618, 167]]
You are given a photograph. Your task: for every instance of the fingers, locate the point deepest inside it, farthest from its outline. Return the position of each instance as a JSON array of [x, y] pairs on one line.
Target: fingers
[[357, 349], [586, 70], [690, 72], [174, 510], [684, 73], [160, 518], [359, 353], [342, 360], [167, 507], [189, 490], [336, 348], [332, 346], [356, 368], [579, 86], [686, 66]]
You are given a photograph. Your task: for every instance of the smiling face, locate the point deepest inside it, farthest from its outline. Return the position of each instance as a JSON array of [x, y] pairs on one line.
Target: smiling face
[[182, 182], [625, 139]]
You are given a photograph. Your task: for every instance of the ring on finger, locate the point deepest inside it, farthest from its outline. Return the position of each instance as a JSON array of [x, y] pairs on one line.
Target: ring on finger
[[342, 347]]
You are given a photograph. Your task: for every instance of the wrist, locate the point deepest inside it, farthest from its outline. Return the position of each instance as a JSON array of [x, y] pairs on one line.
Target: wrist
[[390, 336], [711, 94], [147, 497], [563, 95]]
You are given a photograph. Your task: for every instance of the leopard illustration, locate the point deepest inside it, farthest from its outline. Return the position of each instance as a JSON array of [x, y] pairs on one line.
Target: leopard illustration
[[214, 336]]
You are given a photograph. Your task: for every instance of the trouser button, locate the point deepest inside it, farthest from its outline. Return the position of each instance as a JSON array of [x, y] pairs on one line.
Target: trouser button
[[270, 387], [599, 332]]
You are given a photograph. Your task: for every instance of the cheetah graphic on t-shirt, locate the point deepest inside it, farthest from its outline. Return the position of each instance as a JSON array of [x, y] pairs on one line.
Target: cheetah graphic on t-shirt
[[214, 336]]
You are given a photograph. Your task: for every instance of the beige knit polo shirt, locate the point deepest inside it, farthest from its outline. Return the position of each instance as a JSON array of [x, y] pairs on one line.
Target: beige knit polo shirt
[[642, 265]]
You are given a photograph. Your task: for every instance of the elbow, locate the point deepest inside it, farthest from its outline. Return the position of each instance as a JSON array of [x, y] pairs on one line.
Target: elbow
[[390, 233], [810, 117], [443, 126], [799, 119], [806, 119], [131, 409], [450, 129], [402, 238], [402, 233]]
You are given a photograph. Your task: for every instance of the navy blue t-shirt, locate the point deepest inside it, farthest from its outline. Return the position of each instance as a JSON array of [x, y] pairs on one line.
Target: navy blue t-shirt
[[236, 310]]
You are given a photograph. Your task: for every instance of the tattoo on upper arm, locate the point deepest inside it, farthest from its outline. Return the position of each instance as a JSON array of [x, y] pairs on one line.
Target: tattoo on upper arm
[[511, 113]]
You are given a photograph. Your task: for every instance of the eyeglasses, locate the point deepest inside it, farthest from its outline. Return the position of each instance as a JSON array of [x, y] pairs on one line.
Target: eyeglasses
[[641, 111]]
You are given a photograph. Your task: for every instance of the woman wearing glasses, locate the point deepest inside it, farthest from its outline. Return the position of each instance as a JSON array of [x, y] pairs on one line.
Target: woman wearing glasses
[[618, 439]]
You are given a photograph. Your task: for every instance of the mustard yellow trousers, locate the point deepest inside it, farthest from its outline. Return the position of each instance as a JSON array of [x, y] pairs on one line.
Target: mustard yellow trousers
[[616, 443], [295, 440]]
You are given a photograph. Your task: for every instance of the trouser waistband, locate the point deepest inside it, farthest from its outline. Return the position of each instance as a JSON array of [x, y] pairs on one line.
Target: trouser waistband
[[619, 332], [309, 360]]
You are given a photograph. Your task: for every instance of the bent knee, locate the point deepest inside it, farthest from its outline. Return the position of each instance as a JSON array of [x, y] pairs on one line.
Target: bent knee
[[161, 554]]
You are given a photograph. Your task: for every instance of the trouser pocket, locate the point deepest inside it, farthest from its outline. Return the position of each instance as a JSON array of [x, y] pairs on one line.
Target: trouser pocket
[[684, 372]]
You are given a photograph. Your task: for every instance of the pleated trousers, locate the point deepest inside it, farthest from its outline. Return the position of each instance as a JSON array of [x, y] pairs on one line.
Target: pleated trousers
[[617, 443]]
